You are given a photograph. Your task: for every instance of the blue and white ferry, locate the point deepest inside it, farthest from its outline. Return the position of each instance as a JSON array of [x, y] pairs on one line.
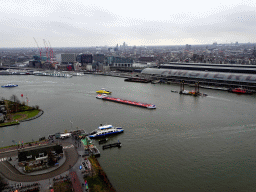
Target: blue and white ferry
[[107, 132], [9, 85]]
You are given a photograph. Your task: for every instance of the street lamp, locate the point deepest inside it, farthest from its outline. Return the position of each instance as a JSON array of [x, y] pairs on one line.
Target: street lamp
[[71, 124]]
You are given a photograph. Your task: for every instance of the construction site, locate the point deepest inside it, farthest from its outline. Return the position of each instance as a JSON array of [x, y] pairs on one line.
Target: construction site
[[45, 59]]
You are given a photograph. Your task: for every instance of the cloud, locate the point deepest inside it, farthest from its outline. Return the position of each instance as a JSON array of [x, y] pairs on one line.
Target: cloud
[[79, 23]]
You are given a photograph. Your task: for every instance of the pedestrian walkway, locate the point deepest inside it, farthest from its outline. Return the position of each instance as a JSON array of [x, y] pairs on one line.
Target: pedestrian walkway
[[75, 182]]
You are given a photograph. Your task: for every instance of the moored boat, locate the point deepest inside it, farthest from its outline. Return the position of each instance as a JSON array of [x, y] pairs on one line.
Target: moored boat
[[104, 140], [240, 90], [101, 96], [118, 144], [139, 80]]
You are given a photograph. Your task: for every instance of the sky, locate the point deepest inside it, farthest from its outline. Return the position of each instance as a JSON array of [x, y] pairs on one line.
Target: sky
[[82, 23]]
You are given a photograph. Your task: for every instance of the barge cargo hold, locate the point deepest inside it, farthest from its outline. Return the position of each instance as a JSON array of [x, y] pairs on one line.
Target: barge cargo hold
[[127, 102]]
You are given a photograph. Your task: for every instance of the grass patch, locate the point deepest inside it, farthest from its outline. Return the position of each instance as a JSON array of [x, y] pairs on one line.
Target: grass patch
[[29, 114], [18, 116]]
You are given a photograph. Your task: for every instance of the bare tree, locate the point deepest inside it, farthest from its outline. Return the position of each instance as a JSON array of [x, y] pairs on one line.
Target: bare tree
[[14, 98]]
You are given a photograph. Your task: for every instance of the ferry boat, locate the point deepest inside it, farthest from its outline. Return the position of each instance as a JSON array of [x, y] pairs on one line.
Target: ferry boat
[[240, 90], [58, 74], [117, 100], [103, 91], [9, 85], [106, 132]]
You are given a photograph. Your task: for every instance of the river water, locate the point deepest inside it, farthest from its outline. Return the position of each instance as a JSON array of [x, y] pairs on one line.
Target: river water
[[186, 144]]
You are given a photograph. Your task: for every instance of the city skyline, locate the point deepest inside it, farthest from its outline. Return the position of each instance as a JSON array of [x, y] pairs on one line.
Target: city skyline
[[84, 24]]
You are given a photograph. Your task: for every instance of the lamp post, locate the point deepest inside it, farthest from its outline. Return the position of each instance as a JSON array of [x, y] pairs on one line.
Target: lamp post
[[71, 124]]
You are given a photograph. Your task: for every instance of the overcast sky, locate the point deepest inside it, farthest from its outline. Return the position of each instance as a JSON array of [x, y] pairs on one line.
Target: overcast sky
[[83, 23]]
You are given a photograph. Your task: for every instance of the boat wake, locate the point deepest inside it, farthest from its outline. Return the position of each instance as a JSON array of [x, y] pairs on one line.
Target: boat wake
[[219, 98]]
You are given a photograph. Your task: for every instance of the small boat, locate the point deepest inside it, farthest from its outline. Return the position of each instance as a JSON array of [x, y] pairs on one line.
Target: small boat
[[103, 141], [103, 90], [101, 96], [10, 85], [106, 132], [240, 90], [155, 81]]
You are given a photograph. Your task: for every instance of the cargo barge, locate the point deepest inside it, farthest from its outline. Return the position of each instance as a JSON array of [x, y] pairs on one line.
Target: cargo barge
[[127, 102], [138, 80]]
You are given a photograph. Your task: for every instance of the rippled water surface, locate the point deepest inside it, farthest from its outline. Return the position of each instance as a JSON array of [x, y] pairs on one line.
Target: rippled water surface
[[187, 144]]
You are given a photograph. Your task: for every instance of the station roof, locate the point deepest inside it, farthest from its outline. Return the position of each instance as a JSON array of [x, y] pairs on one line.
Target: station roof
[[235, 77], [210, 68]]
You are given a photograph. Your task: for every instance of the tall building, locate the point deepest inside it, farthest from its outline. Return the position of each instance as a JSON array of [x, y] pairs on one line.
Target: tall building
[[86, 59], [99, 58], [119, 61], [68, 58]]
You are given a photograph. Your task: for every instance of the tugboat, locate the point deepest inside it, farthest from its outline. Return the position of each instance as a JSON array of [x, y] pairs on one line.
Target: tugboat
[[240, 90]]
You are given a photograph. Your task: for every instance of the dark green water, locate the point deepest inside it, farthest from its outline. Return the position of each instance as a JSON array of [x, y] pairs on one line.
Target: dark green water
[[186, 144]]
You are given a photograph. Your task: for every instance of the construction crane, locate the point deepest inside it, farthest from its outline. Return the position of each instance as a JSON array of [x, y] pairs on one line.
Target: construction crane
[[46, 48], [51, 51], [40, 49]]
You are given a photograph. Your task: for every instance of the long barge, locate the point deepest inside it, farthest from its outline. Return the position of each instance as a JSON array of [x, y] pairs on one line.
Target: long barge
[[127, 102], [138, 80]]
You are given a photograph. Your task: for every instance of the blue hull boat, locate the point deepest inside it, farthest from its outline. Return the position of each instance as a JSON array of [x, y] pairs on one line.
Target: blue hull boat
[[9, 86], [106, 132]]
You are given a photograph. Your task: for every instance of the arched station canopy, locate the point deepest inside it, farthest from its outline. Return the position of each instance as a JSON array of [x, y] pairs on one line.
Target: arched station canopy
[[234, 77]]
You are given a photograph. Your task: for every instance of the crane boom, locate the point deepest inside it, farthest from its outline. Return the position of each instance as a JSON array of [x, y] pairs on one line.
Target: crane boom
[[40, 49]]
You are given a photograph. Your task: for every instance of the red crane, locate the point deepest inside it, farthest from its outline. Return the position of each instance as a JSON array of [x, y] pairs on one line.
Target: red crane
[[40, 49]]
